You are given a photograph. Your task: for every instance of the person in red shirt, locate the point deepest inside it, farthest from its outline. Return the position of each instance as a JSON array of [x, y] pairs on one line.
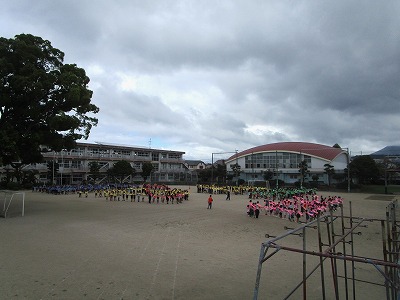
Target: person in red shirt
[[210, 201]]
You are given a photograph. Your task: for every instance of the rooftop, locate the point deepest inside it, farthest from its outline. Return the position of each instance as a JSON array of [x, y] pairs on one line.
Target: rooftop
[[312, 149]]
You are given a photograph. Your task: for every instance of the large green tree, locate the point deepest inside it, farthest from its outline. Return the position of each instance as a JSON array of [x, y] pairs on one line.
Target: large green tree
[[365, 169], [204, 175], [121, 169], [94, 169], [236, 168], [42, 100], [303, 170], [52, 171], [147, 168], [268, 174], [329, 170]]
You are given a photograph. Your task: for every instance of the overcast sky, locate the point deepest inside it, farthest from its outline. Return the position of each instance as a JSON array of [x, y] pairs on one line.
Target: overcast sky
[[218, 76]]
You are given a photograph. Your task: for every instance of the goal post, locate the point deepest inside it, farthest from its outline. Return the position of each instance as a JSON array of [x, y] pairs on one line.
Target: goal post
[[259, 183], [11, 203]]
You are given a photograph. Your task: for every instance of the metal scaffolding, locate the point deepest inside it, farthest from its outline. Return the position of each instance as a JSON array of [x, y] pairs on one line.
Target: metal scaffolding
[[336, 257]]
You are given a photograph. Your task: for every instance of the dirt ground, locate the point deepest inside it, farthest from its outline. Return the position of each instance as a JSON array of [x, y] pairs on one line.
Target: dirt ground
[[67, 247]]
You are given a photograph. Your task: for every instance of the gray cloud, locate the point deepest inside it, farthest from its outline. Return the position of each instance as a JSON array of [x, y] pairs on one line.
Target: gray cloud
[[204, 78]]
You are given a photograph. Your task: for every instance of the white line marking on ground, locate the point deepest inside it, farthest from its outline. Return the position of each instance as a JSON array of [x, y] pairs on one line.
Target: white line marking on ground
[[69, 275], [141, 256], [147, 245], [158, 263], [176, 265]]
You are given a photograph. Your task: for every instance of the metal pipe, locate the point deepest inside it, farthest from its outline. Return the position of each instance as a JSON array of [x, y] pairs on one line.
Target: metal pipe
[[312, 272], [353, 267], [385, 258], [258, 277], [333, 260], [360, 259], [304, 266], [291, 232], [344, 253], [351, 230], [395, 246], [389, 244], [321, 260]]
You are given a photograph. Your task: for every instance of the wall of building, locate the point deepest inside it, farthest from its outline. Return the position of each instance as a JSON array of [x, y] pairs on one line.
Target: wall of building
[[74, 164], [285, 164]]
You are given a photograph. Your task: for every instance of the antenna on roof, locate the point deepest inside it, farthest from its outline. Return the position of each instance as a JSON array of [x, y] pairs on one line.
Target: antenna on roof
[[150, 143]]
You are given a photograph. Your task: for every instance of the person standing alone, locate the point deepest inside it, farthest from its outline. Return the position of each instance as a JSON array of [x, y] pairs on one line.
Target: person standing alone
[[210, 201]]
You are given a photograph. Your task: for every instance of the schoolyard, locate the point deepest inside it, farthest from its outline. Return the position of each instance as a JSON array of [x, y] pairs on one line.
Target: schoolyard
[[66, 247]]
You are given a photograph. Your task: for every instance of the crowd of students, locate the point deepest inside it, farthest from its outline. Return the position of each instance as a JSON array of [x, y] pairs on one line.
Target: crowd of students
[[294, 204], [216, 189], [151, 193], [298, 207]]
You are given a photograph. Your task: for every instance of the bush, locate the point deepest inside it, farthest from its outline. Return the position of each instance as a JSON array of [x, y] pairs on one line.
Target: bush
[[343, 186], [13, 186], [314, 184], [27, 186], [3, 184], [297, 184]]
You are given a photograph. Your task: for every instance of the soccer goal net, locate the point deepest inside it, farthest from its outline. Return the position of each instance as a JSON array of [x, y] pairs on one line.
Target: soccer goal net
[[259, 183], [12, 203]]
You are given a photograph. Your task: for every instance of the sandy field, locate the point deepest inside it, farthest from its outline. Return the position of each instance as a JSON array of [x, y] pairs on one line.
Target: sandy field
[[67, 247]]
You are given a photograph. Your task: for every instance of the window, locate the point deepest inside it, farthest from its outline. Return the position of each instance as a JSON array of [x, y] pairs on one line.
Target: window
[[75, 164], [143, 154], [155, 156], [307, 159]]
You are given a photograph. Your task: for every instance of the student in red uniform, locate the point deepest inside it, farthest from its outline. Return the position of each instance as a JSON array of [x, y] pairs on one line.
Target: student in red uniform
[[210, 201]]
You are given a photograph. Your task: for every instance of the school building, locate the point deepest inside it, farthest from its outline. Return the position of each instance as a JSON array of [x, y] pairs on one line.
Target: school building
[[283, 160], [168, 166]]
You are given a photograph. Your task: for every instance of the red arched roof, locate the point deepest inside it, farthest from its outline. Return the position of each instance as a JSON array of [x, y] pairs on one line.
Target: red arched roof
[[316, 150]]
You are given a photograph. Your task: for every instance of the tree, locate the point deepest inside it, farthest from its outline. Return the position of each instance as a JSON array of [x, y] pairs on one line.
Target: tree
[[94, 169], [314, 183], [365, 169], [42, 100], [220, 172], [329, 170], [268, 174], [388, 168], [336, 146], [315, 177], [121, 169], [204, 175], [29, 177], [52, 171], [303, 170], [236, 171], [147, 168]]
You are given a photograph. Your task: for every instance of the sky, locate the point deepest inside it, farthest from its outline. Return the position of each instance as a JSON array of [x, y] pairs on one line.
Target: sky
[[207, 77]]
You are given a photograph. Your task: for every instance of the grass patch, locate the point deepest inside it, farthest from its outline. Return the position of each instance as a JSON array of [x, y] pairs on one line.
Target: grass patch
[[380, 189]]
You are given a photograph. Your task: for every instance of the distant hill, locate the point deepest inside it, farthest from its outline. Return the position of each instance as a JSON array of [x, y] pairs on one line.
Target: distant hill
[[387, 151]]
